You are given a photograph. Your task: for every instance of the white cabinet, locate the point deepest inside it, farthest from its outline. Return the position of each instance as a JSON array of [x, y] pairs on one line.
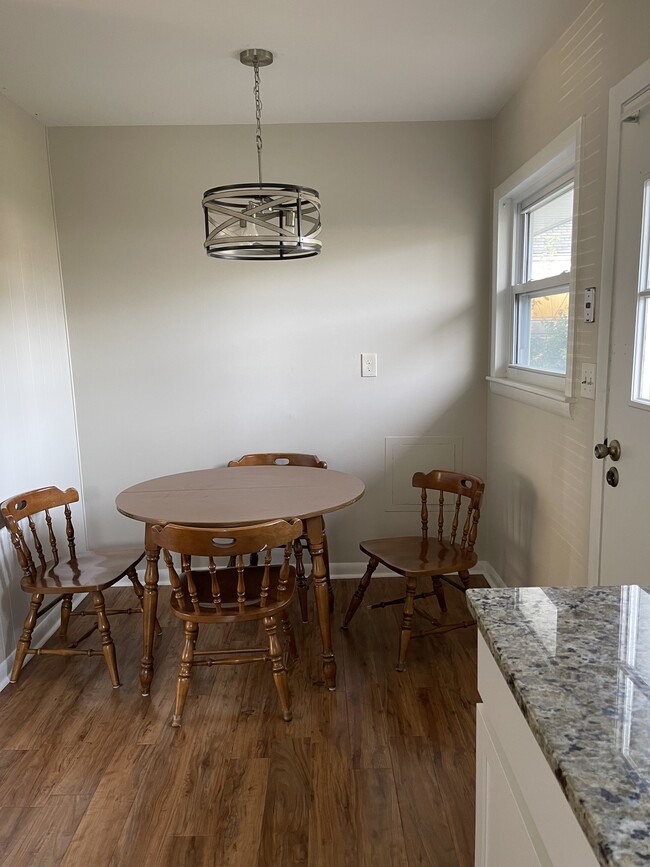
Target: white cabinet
[[522, 816]]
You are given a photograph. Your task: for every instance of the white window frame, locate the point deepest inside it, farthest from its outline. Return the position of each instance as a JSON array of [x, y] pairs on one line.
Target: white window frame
[[553, 392]]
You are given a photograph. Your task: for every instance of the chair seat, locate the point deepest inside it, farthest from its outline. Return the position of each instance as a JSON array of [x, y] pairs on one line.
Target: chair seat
[[413, 556], [90, 571], [230, 609]]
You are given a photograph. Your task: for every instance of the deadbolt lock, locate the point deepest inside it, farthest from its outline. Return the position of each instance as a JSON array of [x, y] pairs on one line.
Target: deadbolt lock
[[612, 477], [605, 450]]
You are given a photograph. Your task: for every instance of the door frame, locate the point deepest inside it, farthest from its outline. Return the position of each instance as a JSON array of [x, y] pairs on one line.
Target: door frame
[[623, 92]]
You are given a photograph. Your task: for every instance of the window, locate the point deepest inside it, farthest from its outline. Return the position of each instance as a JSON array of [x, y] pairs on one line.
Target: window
[[534, 278], [541, 299]]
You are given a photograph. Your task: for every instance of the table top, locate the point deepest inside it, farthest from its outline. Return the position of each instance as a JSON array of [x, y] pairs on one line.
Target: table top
[[577, 661], [229, 496]]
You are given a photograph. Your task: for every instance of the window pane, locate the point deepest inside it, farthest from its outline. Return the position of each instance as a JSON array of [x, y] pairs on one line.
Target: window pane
[[644, 351], [542, 331], [548, 236], [641, 378]]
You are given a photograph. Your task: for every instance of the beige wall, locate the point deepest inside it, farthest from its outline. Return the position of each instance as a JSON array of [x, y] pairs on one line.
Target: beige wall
[[539, 465], [38, 439], [184, 362]]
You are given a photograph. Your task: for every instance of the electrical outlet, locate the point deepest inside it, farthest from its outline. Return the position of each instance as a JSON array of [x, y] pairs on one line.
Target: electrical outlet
[[588, 381], [368, 364]]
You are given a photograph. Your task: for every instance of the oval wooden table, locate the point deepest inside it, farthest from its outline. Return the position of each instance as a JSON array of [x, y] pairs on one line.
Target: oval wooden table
[[227, 497]]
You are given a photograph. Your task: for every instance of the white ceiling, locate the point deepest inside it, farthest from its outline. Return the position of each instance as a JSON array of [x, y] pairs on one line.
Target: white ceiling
[[114, 62]]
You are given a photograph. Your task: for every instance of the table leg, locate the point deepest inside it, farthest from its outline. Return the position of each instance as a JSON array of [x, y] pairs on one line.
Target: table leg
[[314, 528], [150, 604]]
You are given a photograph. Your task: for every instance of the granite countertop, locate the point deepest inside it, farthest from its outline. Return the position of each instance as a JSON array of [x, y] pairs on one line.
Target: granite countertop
[[577, 661]]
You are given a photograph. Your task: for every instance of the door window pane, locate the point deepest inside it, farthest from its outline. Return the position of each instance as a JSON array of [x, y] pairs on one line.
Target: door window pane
[[641, 378], [644, 351]]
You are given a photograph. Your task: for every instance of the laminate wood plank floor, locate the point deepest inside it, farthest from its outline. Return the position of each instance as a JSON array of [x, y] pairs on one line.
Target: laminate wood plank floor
[[379, 773]]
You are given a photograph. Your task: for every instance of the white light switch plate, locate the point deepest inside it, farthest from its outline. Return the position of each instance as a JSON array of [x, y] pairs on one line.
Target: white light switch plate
[[588, 381]]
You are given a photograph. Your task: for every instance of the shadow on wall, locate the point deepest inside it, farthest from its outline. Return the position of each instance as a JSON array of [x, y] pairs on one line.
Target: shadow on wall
[[519, 501], [373, 517]]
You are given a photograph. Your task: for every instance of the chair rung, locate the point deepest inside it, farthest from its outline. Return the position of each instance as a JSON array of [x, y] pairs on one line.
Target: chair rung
[[230, 657], [64, 651], [90, 612], [238, 651]]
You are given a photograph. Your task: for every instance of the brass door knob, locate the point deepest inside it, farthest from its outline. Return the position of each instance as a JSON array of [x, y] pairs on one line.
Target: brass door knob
[[605, 450]]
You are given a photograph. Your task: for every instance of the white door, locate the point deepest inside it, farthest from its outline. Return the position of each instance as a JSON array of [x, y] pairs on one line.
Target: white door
[[625, 496]]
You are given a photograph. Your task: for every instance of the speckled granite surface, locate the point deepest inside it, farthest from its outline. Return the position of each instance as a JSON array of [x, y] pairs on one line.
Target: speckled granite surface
[[578, 664]]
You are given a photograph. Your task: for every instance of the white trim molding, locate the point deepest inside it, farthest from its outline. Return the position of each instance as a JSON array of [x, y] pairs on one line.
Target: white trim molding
[[543, 398], [532, 387]]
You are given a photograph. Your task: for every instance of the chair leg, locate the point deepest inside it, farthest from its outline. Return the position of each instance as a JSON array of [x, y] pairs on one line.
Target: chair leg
[[328, 578], [464, 577], [289, 637], [359, 593], [25, 639], [439, 590], [405, 634], [301, 579], [279, 671], [138, 589], [184, 675], [108, 648], [66, 608]]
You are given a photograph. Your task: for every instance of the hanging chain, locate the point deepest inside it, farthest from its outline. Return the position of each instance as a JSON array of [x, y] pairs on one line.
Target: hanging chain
[[258, 119]]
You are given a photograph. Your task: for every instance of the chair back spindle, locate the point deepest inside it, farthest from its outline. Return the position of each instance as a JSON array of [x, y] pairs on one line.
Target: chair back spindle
[[214, 585], [441, 515], [51, 536], [454, 523], [37, 542], [69, 532]]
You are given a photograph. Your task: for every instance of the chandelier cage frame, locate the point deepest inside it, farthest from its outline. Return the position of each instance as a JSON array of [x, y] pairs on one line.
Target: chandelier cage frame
[[262, 221]]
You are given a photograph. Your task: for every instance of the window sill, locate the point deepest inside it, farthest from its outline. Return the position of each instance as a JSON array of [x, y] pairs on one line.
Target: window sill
[[548, 399]]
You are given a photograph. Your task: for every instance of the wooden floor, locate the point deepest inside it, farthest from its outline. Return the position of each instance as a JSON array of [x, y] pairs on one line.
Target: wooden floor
[[378, 773]]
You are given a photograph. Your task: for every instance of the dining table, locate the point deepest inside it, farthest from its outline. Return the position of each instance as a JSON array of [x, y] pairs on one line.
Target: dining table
[[236, 496]]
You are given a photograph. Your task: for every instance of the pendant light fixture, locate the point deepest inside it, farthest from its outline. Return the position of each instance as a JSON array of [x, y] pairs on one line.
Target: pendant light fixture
[[261, 221]]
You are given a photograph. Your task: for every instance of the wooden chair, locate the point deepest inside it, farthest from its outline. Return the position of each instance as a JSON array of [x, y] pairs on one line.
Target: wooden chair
[[294, 459], [422, 556], [231, 595], [47, 574]]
